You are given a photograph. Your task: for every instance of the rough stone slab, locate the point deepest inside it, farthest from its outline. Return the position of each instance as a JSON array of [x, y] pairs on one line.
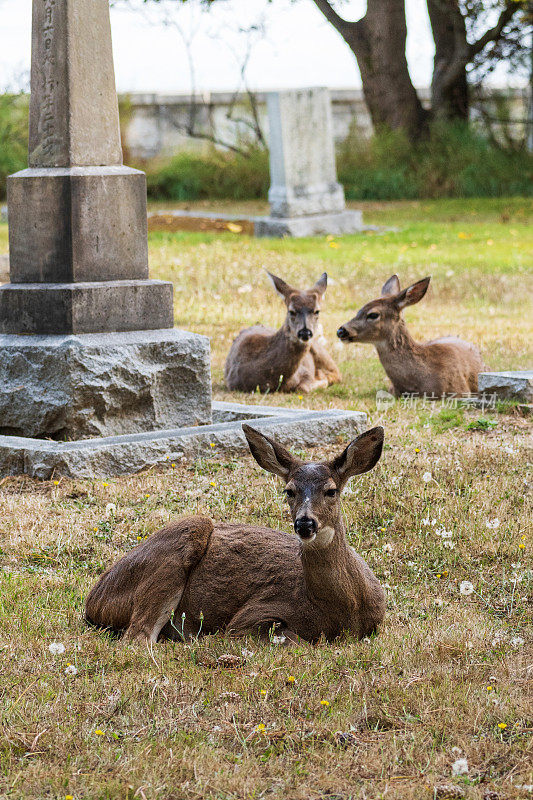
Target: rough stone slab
[[120, 455], [341, 223], [74, 117], [78, 224], [516, 385], [303, 174], [101, 385], [4, 268], [90, 307]]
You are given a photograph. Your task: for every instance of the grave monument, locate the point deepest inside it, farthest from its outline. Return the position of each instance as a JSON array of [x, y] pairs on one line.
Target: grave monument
[[305, 196], [87, 344]]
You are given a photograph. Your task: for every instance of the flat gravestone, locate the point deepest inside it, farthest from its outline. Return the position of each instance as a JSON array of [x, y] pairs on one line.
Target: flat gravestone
[[305, 196], [512, 385]]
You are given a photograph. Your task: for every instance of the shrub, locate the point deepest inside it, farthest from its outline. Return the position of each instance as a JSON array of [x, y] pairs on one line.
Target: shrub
[[13, 136], [455, 161], [215, 175]]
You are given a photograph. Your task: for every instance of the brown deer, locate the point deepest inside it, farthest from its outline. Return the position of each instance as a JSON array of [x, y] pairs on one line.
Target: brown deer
[[441, 366], [196, 576], [292, 359]]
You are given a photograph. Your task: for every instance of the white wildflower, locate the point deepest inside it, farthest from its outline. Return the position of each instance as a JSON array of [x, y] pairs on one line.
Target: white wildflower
[[456, 751], [110, 510], [279, 639], [497, 641], [426, 477], [517, 641], [466, 587], [449, 545], [56, 648], [509, 450], [71, 670], [216, 728], [460, 767], [247, 653], [493, 523], [439, 602], [388, 548]]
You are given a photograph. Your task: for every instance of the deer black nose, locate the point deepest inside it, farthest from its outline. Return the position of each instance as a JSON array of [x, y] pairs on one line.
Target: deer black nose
[[305, 334], [342, 333], [305, 527]]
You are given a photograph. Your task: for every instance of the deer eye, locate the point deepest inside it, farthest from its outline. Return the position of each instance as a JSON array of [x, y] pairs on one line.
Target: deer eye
[[289, 493], [373, 315], [330, 492], [316, 313], [292, 314]]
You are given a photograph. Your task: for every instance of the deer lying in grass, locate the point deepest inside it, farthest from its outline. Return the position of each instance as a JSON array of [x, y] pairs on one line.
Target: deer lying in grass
[[441, 366], [290, 360], [197, 577]]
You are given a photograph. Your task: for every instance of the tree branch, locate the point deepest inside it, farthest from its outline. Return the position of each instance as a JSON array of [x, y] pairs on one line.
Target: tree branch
[[342, 25], [493, 34]]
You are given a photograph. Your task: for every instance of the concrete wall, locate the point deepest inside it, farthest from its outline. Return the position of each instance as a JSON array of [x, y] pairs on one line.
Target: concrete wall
[[156, 124]]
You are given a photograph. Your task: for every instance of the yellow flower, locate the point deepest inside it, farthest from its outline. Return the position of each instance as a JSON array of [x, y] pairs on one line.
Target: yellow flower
[[439, 575], [324, 703], [490, 688], [233, 227], [212, 483], [98, 732], [56, 483], [69, 797], [334, 245], [147, 496], [139, 538], [291, 679], [105, 485], [300, 397], [95, 530], [502, 725], [383, 529], [417, 449], [444, 573], [260, 728], [263, 692], [172, 465], [521, 546], [211, 444]]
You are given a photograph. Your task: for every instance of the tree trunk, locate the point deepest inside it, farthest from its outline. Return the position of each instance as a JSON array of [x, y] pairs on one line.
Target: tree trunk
[[378, 43], [449, 87]]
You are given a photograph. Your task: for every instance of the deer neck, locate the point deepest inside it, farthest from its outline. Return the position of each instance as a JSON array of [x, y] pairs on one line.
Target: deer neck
[[287, 351], [398, 351], [325, 568]]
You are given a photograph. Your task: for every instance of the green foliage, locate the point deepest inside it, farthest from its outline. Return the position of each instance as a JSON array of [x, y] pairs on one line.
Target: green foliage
[[214, 175], [455, 161], [13, 136], [482, 424]]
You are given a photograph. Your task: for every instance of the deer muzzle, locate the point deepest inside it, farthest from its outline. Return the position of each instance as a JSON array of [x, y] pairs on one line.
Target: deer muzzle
[[306, 527], [305, 334]]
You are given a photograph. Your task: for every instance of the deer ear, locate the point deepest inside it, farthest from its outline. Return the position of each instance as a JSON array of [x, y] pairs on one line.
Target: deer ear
[[280, 286], [413, 294], [392, 286], [321, 285], [269, 454], [360, 456]]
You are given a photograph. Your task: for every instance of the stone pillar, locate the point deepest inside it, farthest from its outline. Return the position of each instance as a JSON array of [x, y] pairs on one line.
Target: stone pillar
[[79, 259], [305, 196]]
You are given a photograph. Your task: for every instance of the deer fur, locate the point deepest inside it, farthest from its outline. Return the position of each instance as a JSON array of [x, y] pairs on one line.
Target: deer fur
[[292, 359], [196, 576], [441, 366]]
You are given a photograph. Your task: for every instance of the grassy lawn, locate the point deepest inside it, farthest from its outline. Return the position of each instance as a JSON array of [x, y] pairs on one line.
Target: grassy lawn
[[449, 676]]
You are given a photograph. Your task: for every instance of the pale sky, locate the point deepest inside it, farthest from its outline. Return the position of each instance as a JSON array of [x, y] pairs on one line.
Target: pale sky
[[299, 47]]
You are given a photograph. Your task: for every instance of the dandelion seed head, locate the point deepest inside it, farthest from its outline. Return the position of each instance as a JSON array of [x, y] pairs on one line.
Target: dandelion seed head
[[460, 767], [56, 648], [466, 588]]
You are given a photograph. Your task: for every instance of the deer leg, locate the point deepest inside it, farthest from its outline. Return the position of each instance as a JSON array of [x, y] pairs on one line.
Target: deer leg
[[147, 621]]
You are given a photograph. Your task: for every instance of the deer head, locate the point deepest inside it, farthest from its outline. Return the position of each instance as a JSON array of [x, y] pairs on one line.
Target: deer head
[[376, 320], [313, 489], [303, 308]]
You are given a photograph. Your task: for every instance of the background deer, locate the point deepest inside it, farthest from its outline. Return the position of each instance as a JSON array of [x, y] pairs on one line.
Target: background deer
[[195, 576], [292, 359], [441, 366]]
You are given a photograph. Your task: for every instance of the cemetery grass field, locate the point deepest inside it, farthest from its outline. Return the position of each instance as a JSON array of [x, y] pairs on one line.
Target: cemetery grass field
[[449, 676]]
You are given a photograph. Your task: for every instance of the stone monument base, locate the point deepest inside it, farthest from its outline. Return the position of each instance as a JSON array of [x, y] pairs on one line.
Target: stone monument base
[[316, 224], [74, 387]]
